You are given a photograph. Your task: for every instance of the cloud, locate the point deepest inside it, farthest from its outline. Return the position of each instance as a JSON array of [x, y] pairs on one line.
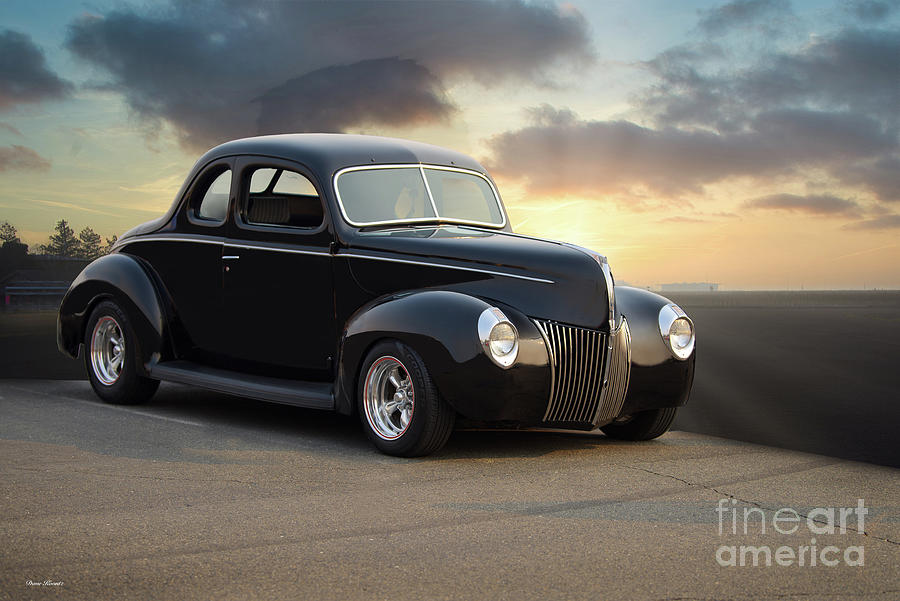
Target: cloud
[[21, 158], [24, 76], [881, 176], [871, 10], [561, 153], [884, 222], [725, 107], [769, 14], [849, 70], [388, 91], [821, 204], [223, 69], [70, 206], [10, 129], [681, 219]]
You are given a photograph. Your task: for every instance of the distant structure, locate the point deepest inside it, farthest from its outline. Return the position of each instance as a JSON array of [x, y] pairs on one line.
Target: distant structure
[[690, 287]]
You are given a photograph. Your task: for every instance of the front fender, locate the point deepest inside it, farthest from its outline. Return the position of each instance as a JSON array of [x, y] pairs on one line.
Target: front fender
[[441, 326], [123, 279], [658, 379]]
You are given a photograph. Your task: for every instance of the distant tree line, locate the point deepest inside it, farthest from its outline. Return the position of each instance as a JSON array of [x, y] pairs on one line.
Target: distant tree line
[[63, 242]]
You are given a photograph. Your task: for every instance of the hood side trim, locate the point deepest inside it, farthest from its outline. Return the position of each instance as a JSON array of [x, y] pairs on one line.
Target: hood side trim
[[446, 266]]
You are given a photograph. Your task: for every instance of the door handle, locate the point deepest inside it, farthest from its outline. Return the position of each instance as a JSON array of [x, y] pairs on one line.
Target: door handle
[[226, 257]]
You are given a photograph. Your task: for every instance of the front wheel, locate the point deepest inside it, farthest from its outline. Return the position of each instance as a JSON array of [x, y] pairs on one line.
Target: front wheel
[[111, 358], [644, 425], [399, 406]]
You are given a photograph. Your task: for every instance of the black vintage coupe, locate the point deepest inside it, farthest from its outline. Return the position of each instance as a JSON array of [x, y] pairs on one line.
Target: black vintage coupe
[[379, 277]]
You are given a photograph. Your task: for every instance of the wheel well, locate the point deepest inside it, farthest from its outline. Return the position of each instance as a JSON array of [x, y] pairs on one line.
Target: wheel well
[[123, 307], [82, 329], [357, 369]]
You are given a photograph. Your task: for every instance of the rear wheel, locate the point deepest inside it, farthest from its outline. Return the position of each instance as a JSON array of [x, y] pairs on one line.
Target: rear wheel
[[644, 425], [399, 406], [111, 358]]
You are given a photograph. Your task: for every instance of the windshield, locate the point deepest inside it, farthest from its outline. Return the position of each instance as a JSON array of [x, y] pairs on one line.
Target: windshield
[[416, 194]]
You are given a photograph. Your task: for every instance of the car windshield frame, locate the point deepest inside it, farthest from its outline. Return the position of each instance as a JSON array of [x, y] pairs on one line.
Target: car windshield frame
[[437, 219]]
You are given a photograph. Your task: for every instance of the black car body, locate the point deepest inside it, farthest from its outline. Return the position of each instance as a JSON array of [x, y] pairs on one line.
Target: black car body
[[286, 262]]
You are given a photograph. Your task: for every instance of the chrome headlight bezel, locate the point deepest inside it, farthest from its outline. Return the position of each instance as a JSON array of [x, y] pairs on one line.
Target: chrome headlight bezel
[[671, 316], [491, 323]]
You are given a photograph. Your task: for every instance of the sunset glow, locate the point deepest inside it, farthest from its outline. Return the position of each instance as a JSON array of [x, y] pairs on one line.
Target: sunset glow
[[751, 143]]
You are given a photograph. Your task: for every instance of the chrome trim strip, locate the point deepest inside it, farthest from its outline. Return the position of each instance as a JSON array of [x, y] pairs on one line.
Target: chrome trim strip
[[222, 242], [457, 267], [228, 257], [566, 339], [430, 193], [294, 251], [607, 358], [327, 254], [592, 371], [551, 355], [197, 239], [421, 167], [610, 292], [603, 262], [618, 367]]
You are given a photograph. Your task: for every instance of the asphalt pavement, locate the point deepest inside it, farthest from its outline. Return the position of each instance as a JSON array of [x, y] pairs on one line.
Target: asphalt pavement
[[198, 495]]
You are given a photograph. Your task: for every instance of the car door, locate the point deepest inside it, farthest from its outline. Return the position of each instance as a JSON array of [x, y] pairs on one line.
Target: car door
[[279, 300], [187, 258]]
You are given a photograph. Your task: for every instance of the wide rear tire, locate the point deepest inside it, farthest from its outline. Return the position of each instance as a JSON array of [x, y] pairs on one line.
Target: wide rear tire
[[399, 406], [111, 357], [644, 425]]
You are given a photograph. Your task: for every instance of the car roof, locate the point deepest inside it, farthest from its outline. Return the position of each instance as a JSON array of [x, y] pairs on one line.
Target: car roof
[[328, 153]]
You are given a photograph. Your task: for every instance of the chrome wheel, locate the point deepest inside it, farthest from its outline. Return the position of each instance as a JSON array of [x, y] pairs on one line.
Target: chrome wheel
[[107, 350], [388, 398]]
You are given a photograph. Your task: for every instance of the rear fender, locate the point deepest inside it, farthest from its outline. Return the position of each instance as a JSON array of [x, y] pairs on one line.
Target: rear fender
[[122, 279]]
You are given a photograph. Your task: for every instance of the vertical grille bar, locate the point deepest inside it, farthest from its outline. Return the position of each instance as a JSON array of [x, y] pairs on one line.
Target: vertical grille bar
[[563, 356], [570, 372], [551, 351], [589, 372], [619, 373]]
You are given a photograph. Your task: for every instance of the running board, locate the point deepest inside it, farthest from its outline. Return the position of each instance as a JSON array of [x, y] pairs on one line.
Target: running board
[[315, 395]]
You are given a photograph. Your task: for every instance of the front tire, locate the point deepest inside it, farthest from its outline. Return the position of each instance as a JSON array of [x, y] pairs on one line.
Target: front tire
[[644, 425], [399, 406], [111, 358]]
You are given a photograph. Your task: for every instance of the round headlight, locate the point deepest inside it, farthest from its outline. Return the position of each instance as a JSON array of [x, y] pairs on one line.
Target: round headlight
[[677, 330], [681, 334], [499, 337], [503, 339]]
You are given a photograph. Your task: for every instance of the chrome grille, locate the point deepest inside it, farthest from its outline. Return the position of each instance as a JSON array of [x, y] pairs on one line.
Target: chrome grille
[[618, 373], [589, 372]]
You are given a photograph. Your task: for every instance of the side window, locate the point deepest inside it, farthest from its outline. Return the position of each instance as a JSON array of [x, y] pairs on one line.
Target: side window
[[296, 184], [214, 204], [260, 180], [282, 198]]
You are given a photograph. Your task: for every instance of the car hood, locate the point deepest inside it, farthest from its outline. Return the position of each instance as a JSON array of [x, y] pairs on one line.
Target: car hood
[[546, 279]]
